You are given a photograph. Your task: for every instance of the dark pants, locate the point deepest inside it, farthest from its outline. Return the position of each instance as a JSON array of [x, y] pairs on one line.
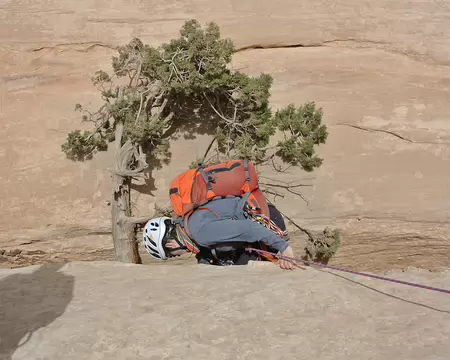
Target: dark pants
[[277, 218]]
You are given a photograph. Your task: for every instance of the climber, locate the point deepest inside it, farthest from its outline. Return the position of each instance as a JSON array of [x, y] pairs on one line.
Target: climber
[[220, 239], [220, 211]]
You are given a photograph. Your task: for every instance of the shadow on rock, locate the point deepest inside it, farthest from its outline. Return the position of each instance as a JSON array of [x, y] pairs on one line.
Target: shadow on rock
[[29, 302]]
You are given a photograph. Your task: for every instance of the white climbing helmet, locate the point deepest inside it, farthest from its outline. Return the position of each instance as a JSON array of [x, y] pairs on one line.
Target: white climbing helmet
[[156, 233]]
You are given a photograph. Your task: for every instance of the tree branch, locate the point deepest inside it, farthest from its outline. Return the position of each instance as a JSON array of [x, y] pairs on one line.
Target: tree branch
[[119, 127], [208, 148], [280, 169], [304, 230], [212, 107], [287, 186], [157, 110], [272, 192], [130, 173], [286, 182], [140, 108], [127, 156], [228, 121], [136, 220]]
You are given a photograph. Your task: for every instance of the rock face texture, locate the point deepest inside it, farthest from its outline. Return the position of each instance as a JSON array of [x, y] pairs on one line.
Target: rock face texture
[[380, 70], [112, 311]]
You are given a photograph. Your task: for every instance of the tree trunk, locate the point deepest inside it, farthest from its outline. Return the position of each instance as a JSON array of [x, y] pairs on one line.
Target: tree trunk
[[123, 230]]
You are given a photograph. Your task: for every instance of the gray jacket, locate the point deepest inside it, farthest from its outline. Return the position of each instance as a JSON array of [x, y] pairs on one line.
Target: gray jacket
[[226, 234]]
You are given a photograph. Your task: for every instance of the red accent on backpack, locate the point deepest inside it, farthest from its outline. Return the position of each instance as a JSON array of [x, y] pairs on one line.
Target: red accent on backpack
[[196, 187]]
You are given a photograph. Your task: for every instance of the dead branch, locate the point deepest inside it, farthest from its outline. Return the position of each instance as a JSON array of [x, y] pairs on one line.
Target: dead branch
[[285, 185], [119, 126], [288, 188], [127, 156], [136, 220], [136, 175], [215, 110], [216, 155], [173, 67], [140, 107], [304, 230], [152, 92], [229, 122], [138, 73], [275, 194], [167, 121], [279, 168], [271, 158], [157, 110], [286, 182], [208, 148], [301, 196]]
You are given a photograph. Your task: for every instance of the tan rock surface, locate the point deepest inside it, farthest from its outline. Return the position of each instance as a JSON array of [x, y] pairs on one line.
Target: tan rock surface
[[114, 311], [379, 70]]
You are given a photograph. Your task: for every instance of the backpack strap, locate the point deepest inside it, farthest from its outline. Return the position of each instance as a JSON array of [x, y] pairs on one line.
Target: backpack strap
[[206, 178], [183, 232], [247, 174], [240, 213]]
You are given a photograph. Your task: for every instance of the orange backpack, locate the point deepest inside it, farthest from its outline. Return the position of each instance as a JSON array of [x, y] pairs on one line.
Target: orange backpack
[[196, 187]]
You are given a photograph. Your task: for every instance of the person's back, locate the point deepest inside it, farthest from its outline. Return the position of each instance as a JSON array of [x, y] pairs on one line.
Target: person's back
[[214, 228]]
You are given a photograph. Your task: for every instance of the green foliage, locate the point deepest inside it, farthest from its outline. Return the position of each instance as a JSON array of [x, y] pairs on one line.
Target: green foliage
[[304, 129], [186, 85], [321, 248], [82, 146]]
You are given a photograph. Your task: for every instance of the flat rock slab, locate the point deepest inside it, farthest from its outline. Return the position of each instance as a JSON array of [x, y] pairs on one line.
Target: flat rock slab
[[107, 310]]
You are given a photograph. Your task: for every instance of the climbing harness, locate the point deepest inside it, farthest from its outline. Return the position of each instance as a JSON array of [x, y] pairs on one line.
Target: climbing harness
[[262, 252]]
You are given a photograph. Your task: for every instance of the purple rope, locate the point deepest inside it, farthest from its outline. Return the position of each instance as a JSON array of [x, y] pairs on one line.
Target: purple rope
[[349, 271]]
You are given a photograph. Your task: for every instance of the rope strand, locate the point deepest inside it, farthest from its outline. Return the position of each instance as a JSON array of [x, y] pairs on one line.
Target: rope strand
[[426, 287]]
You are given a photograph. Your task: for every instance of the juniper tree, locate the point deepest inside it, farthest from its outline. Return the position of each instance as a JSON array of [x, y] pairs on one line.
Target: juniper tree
[[185, 85]]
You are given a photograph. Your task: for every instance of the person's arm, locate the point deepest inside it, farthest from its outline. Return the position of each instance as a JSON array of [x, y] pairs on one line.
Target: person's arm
[[223, 231]]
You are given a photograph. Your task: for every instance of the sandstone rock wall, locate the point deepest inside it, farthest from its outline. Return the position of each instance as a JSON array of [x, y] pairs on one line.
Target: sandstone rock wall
[[380, 71]]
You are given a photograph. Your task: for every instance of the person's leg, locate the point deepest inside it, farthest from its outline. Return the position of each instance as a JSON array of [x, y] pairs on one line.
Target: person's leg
[[245, 257], [276, 217], [204, 256]]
